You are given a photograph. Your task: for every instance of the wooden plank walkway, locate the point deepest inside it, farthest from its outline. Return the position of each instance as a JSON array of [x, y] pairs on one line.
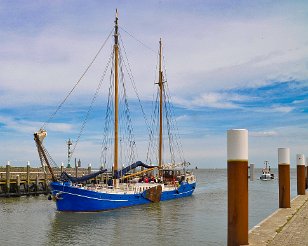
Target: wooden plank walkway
[[288, 226]]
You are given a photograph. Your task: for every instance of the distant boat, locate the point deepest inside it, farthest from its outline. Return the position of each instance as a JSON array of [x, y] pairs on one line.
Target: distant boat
[[266, 173], [125, 187]]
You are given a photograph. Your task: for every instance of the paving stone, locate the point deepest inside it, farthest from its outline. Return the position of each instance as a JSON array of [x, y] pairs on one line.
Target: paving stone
[[286, 226]]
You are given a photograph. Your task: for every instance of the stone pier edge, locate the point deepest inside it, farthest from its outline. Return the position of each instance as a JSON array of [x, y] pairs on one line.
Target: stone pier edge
[[265, 231]]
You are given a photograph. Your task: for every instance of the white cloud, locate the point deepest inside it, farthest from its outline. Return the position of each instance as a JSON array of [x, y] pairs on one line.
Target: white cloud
[[213, 100], [211, 54], [206, 50], [263, 134], [282, 109], [183, 118], [275, 108], [298, 101], [24, 126]]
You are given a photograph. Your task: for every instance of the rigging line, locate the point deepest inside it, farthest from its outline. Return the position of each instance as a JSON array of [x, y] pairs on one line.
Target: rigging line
[[74, 87], [153, 116], [130, 74], [48, 156], [109, 133], [131, 77], [156, 125], [92, 102], [173, 119], [148, 47], [106, 135], [129, 126], [174, 138], [171, 122], [174, 125], [164, 65], [170, 136], [151, 141], [153, 144]]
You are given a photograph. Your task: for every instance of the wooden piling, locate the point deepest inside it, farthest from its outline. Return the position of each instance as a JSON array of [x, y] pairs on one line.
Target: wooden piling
[[89, 168], [18, 184], [76, 169], [28, 177], [237, 156], [37, 183], [8, 177], [301, 181], [62, 167], [102, 175], [45, 182], [284, 177]]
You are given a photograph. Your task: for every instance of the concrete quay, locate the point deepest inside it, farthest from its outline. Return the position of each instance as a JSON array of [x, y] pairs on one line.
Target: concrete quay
[[286, 226]]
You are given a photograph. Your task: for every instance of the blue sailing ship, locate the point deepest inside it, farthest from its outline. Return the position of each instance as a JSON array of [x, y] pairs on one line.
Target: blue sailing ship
[[136, 184]]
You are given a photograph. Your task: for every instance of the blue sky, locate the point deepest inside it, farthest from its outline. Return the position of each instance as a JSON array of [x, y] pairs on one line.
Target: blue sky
[[230, 64]]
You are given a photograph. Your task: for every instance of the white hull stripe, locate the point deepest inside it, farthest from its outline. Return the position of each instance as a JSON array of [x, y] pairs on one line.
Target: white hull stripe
[[94, 198], [183, 193]]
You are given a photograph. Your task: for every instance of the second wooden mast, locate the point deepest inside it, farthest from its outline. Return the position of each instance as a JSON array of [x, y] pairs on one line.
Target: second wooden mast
[[116, 100], [161, 89]]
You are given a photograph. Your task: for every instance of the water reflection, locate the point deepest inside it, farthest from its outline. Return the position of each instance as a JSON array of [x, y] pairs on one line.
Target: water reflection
[[197, 220], [137, 225]]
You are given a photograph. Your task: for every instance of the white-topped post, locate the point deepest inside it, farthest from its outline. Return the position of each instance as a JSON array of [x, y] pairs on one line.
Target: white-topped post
[[237, 161], [301, 181], [284, 177]]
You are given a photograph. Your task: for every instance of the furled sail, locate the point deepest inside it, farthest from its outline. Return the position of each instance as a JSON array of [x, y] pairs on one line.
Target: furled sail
[[125, 170], [66, 177]]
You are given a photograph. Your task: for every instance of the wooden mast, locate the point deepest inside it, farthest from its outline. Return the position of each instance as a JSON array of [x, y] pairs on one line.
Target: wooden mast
[[116, 92], [161, 88]]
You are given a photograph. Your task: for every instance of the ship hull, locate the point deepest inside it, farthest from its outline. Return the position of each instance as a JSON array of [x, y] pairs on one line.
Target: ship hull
[[73, 199]]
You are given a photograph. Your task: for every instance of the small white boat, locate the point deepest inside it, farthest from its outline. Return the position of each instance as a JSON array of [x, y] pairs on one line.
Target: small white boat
[[266, 173]]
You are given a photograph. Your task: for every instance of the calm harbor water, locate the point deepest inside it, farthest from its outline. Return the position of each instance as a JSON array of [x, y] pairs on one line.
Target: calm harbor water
[[197, 220]]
